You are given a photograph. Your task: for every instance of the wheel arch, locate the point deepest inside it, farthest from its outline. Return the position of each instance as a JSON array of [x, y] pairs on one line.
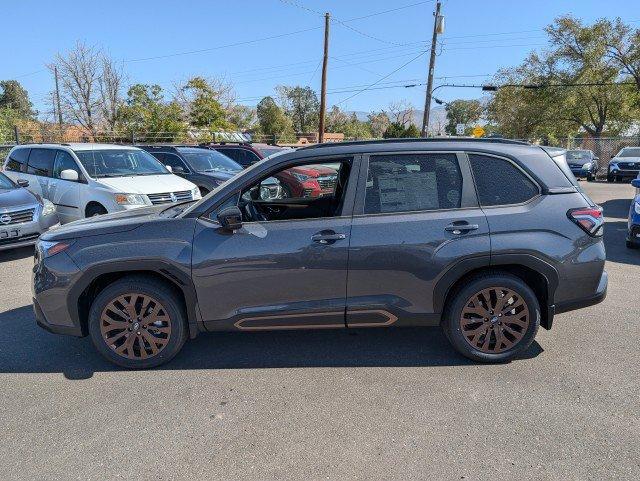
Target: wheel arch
[[535, 272], [93, 203], [95, 279]]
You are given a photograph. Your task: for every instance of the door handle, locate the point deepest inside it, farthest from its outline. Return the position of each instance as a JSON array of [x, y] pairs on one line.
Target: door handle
[[327, 237], [458, 229]]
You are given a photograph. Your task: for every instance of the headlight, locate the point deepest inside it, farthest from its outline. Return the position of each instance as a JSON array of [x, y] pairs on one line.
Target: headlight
[[636, 207], [587, 166], [47, 207], [48, 248], [130, 199], [301, 177], [195, 193]]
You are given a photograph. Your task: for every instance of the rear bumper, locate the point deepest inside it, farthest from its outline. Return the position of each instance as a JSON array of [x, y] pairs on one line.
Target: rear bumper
[[596, 298]]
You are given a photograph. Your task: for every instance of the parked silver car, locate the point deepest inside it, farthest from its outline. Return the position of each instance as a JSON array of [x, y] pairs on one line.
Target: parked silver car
[[23, 215]]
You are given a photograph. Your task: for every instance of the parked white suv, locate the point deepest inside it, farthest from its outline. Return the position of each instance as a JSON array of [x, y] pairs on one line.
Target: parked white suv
[[84, 180]]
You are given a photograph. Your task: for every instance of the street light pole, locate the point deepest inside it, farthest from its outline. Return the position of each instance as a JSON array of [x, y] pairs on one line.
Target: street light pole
[[437, 26]]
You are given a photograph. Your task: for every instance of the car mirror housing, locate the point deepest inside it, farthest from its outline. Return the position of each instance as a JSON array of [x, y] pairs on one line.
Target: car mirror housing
[[22, 182], [69, 174], [636, 183], [230, 218], [177, 169]]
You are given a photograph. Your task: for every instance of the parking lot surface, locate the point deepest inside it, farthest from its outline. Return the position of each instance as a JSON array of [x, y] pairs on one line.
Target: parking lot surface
[[376, 404]]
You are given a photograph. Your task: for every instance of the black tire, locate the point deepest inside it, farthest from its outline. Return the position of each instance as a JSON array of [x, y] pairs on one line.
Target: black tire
[[145, 286], [95, 209], [451, 323], [609, 178], [590, 178]]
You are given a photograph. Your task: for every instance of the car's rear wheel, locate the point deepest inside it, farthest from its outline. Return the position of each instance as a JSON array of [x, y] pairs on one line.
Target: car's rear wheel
[[492, 318], [137, 323]]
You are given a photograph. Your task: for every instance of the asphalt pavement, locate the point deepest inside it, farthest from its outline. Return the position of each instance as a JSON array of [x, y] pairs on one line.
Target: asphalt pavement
[[376, 404]]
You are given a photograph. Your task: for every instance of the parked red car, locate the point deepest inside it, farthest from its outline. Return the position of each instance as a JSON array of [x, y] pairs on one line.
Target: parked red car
[[308, 181]]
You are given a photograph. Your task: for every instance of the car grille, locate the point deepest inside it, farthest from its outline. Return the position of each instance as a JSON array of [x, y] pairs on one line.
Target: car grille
[[327, 182], [629, 165], [168, 197], [16, 217]]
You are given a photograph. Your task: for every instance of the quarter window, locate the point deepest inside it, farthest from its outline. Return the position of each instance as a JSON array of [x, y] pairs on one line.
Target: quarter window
[[18, 160], [41, 162], [499, 182], [412, 182]]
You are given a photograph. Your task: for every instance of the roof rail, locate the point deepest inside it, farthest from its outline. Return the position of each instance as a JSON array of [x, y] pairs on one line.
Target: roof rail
[[417, 140]]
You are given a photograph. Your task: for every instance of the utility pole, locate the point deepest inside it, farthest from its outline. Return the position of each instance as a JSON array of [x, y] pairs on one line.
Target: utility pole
[[437, 28], [323, 89], [55, 73]]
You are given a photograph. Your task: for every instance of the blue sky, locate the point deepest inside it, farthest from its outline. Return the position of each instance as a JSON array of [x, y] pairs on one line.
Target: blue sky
[[480, 37]]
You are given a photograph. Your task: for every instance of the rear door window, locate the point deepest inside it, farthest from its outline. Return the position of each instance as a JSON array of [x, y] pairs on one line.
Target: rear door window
[[499, 182], [41, 162], [18, 160], [413, 182]]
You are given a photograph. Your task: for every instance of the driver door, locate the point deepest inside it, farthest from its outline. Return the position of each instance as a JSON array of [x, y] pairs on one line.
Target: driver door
[[286, 267]]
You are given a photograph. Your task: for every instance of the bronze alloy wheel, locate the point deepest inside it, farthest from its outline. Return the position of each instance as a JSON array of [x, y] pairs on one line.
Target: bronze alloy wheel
[[494, 319], [135, 326]]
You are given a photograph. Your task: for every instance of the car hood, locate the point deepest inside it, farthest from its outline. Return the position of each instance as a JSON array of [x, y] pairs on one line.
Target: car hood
[[146, 184], [122, 221], [15, 198]]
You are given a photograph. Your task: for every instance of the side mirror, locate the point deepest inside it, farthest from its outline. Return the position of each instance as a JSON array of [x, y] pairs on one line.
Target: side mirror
[[69, 174], [177, 169], [230, 218], [636, 183], [22, 182], [169, 168]]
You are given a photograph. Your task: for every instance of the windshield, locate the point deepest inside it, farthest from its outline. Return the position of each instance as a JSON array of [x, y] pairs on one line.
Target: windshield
[[629, 152], [578, 155], [210, 161], [119, 163], [6, 183]]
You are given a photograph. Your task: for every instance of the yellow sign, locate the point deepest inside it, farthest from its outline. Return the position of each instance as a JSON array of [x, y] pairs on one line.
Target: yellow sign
[[478, 131]]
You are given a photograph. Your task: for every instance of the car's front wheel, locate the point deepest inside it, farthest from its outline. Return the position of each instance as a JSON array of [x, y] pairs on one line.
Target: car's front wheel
[[138, 323], [492, 318]]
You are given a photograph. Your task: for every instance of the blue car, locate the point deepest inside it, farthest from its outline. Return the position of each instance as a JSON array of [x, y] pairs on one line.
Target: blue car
[[633, 234]]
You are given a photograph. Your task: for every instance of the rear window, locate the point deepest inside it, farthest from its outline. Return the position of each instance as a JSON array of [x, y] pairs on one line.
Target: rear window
[[18, 160], [499, 182], [413, 182], [41, 162]]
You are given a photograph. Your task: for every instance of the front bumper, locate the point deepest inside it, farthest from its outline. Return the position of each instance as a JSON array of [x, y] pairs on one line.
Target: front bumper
[[581, 172], [13, 236], [52, 280], [626, 173]]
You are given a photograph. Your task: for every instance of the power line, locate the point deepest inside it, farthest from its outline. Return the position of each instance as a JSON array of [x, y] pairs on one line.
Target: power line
[[236, 44], [383, 78]]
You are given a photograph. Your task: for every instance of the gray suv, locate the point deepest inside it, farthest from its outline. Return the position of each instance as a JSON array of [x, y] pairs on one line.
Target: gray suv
[[487, 238]]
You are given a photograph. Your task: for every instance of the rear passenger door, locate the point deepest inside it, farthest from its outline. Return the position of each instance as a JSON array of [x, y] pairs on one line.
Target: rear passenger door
[[416, 216], [39, 169]]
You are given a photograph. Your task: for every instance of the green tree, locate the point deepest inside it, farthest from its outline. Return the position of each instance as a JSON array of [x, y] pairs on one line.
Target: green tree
[[146, 113], [203, 106], [462, 112], [302, 106], [396, 130], [13, 96]]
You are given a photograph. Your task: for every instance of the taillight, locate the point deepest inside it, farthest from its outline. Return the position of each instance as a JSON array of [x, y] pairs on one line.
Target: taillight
[[589, 219]]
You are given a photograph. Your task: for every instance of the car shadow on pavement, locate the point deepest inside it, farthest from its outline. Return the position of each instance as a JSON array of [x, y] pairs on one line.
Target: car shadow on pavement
[[26, 348], [16, 254]]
